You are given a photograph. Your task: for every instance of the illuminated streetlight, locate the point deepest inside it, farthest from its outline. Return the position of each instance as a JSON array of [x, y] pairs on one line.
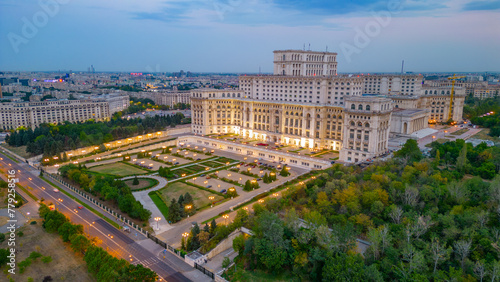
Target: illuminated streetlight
[[157, 219], [225, 218]]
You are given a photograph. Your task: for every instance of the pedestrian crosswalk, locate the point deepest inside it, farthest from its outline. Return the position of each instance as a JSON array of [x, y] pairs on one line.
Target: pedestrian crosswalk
[[146, 262]]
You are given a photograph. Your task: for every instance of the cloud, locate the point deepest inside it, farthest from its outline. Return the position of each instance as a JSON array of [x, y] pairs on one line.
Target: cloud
[[482, 6]]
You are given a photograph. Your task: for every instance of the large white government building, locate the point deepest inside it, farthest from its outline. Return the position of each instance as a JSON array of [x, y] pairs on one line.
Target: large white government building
[[307, 104]]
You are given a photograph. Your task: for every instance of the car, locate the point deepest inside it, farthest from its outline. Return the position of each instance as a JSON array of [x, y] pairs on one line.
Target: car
[[176, 163], [80, 207], [209, 186], [208, 177], [223, 191], [202, 175], [259, 179], [198, 159], [56, 190]]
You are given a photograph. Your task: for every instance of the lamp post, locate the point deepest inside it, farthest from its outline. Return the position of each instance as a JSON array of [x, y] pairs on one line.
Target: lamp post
[[211, 198], [188, 207], [157, 219], [225, 218]]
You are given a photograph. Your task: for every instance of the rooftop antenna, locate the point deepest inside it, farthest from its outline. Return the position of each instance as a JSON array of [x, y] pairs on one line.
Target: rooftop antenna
[[402, 66], [309, 46], [326, 48]]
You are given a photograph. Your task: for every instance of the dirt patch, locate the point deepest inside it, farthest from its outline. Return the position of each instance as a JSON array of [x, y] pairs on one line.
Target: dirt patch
[[3, 220], [66, 265]]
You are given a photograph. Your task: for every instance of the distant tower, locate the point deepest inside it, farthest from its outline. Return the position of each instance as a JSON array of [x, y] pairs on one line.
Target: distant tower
[[1, 94]]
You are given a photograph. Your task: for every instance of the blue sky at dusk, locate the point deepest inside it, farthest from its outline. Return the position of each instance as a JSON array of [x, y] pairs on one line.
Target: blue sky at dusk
[[239, 36]]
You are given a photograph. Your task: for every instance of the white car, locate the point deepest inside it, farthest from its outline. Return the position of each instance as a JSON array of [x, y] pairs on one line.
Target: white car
[[56, 190]]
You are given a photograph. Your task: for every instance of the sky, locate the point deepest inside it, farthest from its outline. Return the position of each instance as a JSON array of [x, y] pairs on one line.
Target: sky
[[240, 36]]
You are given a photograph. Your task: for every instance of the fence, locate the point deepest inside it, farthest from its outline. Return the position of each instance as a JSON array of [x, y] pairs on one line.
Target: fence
[[204, 270], [123, 219], [98, 204], [166, 246]]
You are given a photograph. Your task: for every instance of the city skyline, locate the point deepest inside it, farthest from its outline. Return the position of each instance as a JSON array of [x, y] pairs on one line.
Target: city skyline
[[210, 36]]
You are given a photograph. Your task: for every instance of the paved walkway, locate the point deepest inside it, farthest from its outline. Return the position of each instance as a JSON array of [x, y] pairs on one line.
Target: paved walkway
[[147, 202]]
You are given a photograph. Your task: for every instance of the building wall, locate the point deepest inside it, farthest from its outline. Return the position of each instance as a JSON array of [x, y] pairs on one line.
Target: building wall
[[304, 63], [384, 84], [256, 152], [366, 128], [315, 90], [32, 114]]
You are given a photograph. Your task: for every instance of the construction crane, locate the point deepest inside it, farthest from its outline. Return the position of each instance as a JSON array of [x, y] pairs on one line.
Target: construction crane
[[452, 78]]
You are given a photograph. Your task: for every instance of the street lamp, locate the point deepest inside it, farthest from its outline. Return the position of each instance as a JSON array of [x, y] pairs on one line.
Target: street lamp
[[225, 218], [157, 219]]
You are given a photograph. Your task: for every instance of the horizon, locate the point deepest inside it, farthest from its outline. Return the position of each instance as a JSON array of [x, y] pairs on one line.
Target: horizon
[[240, 37]]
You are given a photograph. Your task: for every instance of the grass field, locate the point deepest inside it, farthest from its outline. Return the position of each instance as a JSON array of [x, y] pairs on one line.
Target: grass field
[[200, 197], [159, 203], [212, 164], [66, 265], [459, 132], [118, 169], [225, 160], [259, 276], [196, 168], [144, 183], [20, 151], [181, 171], [483, 135]]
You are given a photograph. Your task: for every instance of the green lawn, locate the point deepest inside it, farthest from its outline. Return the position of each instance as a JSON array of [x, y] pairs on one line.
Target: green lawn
[[144, 183], [118, 169], [20, 151], [200, 197], [196, 168], [484, 135], [212, 164], [258, 275], [460, 132], [225, 160], [181, 171], [159, 203]]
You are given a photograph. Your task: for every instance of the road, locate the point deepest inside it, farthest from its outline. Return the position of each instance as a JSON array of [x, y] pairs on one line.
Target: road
[[114, 241]]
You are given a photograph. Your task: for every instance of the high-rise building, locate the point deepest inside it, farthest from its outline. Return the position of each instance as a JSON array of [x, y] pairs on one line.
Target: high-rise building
[[32, 114]]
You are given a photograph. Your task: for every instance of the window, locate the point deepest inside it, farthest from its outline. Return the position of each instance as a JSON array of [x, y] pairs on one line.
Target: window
[[367, 107], [360, 107], [353, 107]]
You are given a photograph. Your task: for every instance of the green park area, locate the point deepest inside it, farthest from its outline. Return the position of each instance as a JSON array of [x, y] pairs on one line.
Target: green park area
[[118, 169], [200, 197], [142, 183]]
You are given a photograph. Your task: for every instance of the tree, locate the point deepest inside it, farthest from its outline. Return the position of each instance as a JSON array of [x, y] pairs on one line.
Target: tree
[[79, 243], [438, 252], [396, 213], [462, 159], [480, 270], [437, 158], [213, 226], [343, 267], [284, 172], [462, 250], [239, 244], [226, 262], [410, 151], [136, 181]]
